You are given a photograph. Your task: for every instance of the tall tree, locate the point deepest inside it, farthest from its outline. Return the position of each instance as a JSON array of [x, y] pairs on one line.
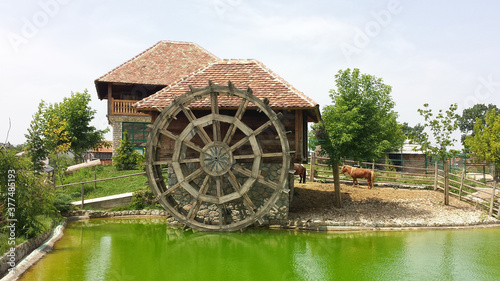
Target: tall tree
[[485, 142], [78, 115], [442, 126], [469, 116], [361, 123], [35, 141], [62, 127], [413, 133]]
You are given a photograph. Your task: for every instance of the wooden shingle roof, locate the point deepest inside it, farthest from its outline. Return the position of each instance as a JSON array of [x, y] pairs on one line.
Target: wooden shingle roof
[[162, 64], [243, 74]]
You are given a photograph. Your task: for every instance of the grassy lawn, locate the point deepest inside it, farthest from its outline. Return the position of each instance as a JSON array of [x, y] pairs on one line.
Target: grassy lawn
[[104, 188]]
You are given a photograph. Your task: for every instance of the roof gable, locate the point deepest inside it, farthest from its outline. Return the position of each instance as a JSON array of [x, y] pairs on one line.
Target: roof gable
[[162, 64], [243, 74]]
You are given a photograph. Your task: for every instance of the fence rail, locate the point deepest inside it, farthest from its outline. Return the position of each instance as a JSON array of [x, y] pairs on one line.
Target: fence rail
[[439, 177], [95, 181]]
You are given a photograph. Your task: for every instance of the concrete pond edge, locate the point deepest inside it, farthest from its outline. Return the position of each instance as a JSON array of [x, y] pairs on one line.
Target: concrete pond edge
[[29, 259]]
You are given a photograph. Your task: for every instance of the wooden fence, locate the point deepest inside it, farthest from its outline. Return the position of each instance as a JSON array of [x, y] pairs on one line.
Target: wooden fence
[[95, 180], [450, 183]]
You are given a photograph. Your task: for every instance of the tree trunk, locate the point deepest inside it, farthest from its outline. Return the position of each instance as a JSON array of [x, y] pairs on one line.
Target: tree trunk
[[336, 180], [446, 168]]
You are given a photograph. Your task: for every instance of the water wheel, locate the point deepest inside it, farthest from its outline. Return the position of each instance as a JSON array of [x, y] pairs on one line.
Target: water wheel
[[217, 159]]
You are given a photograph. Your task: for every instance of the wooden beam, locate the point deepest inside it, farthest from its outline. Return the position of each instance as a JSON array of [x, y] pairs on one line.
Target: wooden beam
[[298, 135], [110, 99]]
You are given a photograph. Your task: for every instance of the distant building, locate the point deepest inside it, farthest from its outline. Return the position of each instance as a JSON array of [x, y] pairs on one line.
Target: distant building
[[104, 154], [408, 156]]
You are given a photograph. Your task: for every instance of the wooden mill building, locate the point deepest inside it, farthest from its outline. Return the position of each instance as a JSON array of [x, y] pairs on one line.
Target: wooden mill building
[[229, 131]]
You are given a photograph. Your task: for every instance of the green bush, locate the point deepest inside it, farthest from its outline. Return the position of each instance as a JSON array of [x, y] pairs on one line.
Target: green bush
[[30, 196], [127, 158], [144, 199], [62, 201]]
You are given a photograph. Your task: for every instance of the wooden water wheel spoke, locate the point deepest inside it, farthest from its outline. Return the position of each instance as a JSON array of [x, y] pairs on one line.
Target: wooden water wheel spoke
[[260, 178], [234, 182], [171, 189], [191, 160], [194, 210], [218, 186], [183, 182], [255, 133], [214, 102], [244, 171], [205, 163], [264, 155], [238, 116], [267, 183], [190, 116], [175, 137], [183, 161], [197, 204], [246, 199]]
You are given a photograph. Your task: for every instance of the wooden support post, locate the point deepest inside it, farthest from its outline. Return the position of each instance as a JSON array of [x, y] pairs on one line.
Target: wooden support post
[[461, 184], [446, 183], [298, 136], [110, 99], [313, 163], [83, 185], [436, 174], [336, 183], [492, 201]]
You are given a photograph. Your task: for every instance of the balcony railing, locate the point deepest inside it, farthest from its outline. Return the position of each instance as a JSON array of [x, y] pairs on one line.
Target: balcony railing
[[124, 107]]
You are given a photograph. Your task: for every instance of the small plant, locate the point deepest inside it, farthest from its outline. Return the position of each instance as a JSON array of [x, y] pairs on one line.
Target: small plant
[[62, 201], [128, 158], [144, 199], [389, 162]]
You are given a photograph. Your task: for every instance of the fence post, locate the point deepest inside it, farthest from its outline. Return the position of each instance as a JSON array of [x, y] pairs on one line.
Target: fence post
[[313, 162], [436, 175], [492, 202], [446, 183], [83, 185], [461, 183], [484, 173]]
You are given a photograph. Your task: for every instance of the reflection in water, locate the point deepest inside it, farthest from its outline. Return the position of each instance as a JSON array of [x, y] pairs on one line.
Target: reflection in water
[[149, 250], [100, 259], [308, 266]]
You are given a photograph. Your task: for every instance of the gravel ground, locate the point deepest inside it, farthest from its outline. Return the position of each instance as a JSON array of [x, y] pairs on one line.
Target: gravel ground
[[381, 207]]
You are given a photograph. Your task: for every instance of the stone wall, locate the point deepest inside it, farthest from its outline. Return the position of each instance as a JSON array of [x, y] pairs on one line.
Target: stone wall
[[116, 122], [21, 251]]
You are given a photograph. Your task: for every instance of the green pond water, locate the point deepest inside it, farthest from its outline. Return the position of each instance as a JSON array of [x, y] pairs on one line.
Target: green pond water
[[147, 249]]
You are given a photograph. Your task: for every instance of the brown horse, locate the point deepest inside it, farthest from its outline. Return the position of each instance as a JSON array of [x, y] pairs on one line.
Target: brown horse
[[301, 171], [356, 173]]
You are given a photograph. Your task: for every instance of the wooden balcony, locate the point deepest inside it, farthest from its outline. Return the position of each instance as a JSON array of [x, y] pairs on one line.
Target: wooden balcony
[[123, 107]]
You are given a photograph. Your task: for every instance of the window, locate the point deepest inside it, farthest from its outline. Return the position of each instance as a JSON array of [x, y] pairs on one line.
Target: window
[[137, 134]]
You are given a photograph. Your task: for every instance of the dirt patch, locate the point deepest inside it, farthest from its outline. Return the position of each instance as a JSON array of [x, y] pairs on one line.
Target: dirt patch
[[382, 205]]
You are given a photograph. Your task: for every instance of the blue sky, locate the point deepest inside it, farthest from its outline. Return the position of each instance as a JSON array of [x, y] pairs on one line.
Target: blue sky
[[436, 52]]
